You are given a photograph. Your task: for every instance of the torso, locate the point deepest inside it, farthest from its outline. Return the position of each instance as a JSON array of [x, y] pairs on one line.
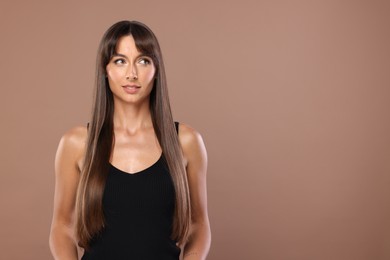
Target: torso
[[138, 211], [138, 202], [133, 156]]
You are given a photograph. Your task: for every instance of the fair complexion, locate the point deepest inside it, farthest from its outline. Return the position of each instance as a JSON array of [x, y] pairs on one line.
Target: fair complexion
[[195, 157], [131, 77], [68, 161]]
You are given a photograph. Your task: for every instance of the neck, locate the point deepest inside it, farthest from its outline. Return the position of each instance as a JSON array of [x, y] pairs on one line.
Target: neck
[[132, 117]]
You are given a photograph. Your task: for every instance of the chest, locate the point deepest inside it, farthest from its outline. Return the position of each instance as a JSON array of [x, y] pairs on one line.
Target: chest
[[147, 193], [133, 154]]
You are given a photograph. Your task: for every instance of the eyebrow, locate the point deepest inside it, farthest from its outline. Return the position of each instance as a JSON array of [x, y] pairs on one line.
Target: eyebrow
[[124, 56]]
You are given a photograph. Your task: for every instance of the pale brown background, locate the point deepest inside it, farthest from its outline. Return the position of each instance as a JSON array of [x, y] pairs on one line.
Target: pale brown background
[[292, 99]]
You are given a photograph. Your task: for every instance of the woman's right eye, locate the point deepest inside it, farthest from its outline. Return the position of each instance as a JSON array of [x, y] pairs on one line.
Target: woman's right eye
[[119, 61]]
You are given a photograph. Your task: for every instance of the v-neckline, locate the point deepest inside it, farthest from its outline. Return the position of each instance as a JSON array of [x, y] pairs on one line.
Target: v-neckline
[[138, 172]]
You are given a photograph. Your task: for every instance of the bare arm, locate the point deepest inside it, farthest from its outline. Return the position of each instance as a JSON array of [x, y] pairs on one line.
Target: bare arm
[[62, 240], [198, 244]]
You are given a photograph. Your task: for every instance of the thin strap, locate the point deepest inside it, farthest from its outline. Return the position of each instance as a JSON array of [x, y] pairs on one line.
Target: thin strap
[[177, 127]]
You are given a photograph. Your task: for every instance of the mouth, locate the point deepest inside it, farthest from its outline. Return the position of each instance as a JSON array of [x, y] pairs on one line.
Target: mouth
[[131, 89], [132, 86]]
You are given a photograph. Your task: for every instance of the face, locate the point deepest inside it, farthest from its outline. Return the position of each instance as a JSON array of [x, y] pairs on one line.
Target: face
[[130, 73]]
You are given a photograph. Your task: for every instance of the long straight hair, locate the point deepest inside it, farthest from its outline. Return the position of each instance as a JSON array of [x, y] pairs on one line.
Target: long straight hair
[[90, 217]]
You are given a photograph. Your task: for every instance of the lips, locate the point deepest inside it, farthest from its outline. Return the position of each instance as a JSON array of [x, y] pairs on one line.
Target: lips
[[131, 89]]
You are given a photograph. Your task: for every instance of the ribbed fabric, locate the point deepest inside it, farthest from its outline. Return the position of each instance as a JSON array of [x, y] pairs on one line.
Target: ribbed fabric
[[138, 210]]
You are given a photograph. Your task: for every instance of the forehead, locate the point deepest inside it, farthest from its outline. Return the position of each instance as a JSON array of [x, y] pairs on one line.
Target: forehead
[[126, 45]]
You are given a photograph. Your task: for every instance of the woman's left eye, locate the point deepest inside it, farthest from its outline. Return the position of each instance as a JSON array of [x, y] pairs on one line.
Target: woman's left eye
[[144, 61]]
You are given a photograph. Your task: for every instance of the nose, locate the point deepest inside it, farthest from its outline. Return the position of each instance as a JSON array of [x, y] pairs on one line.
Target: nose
[[131, 73]]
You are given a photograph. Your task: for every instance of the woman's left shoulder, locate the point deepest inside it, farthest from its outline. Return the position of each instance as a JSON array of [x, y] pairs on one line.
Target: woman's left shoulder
[[188, 135], [191, 141]]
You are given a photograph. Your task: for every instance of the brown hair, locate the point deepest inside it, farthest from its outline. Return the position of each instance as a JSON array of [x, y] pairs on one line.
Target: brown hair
[[90, 218]]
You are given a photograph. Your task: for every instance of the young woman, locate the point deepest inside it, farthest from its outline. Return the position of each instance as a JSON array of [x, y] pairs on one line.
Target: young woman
[[131, 185]]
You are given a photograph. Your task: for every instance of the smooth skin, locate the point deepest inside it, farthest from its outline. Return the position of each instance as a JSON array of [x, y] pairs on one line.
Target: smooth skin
[[136, 148]]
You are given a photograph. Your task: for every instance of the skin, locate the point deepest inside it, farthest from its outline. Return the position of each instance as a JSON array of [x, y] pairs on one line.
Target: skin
[[136, 148]]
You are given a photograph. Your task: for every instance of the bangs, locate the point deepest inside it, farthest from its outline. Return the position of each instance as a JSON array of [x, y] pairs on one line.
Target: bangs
[[145, 42]]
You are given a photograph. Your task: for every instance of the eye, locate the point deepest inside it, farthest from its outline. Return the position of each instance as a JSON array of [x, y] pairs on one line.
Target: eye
[[144, 61], [119, 61]]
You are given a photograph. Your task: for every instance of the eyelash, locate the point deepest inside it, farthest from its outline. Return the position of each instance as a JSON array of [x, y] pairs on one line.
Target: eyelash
[[143, 61]]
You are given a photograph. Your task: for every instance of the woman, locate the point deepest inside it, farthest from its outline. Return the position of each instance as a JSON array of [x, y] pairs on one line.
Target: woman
[[131, 185]]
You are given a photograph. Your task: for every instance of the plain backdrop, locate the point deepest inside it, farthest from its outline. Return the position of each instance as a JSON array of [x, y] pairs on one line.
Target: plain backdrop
[[291, 97]]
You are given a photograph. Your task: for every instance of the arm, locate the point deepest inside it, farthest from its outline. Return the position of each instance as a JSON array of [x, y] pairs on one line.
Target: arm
[[62, 239], [195, 154]]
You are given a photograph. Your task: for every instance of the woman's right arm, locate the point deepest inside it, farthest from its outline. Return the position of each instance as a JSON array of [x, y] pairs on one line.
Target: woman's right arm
[[63, 242]]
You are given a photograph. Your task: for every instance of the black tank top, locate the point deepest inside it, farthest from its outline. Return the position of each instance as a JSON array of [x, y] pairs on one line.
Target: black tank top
[[138, 210]]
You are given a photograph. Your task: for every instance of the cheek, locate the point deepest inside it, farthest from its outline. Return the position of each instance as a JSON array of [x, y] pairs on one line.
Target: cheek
[[113, 75], [150, 74]]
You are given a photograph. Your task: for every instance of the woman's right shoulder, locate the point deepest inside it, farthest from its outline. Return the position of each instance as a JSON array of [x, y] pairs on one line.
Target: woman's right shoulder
[[76, 136], [73, 142]]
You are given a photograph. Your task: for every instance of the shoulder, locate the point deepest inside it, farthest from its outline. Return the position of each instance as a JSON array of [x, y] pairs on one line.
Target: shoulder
[[75, 137], [189, 136], [72, 144], [191, 142]]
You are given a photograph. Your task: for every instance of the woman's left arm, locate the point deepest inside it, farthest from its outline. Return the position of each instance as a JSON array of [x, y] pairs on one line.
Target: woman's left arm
[[198, 244]]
